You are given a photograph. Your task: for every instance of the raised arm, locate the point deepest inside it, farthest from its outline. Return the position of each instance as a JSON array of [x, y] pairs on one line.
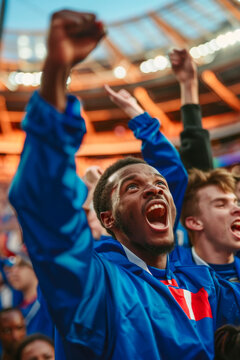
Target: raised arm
[[46, 191], [195, 147], [157, 150]]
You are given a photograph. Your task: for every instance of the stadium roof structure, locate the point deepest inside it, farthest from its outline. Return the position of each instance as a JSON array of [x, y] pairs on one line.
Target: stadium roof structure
[[134, 55]]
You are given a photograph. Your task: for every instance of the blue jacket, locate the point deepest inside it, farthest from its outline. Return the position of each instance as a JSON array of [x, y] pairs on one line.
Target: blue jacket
[[182, 255], [106, 303]]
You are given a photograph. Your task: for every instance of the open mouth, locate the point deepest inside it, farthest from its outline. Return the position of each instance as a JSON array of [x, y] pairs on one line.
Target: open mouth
[[235, 227], [157, 216]]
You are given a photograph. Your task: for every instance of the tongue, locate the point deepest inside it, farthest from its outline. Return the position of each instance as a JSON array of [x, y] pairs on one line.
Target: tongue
[[156, 216], [236, 226], [236, 229]]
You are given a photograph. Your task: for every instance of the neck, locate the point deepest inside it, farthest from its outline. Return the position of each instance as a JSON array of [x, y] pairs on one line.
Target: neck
[[137, 256], [213, 256], [159, 261]]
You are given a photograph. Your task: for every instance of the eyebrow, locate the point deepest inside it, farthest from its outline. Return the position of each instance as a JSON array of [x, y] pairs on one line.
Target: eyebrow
[[134, 176], [224, 199]]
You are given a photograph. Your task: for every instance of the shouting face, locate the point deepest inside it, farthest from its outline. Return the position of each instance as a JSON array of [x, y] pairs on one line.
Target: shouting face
[[219, 217], [143, 211]]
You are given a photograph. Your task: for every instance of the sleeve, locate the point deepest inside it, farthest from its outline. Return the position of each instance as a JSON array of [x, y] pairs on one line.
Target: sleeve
[[159, 152], [195, 149], [48, 195], [228, 309]]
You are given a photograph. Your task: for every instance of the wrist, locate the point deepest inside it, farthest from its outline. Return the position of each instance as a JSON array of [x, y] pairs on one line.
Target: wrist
[[132, 113], [189, 92], [53, 85], [193, 81]]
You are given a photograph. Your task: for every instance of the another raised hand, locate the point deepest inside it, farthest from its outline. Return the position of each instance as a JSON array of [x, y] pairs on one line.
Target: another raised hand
[[91, 178], [125, 101], [185, 71]]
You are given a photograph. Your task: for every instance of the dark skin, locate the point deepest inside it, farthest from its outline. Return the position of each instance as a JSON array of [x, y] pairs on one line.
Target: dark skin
[[12, 331], [72, 37], [142, 214]]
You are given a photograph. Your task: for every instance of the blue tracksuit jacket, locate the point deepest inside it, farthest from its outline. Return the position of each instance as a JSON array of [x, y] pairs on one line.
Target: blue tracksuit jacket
[[106, 303], [182, 255]]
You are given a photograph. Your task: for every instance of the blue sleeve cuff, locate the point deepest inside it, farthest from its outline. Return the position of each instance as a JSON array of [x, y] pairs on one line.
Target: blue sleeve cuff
[[63, 131], [142, 120]]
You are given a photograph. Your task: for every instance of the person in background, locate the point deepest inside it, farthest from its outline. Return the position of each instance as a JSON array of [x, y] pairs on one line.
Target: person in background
[[12, 331], [195, 145], [211, 215], [227, 343], [21, 277], [35, 347]]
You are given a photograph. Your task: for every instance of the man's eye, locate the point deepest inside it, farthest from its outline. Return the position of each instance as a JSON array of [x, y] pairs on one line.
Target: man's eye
[[220, 205], [160, 183], [131, 186]]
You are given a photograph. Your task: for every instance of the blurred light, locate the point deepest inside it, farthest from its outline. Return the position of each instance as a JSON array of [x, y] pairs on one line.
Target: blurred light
[[208, 58], [23, 40], [213, 45], [221, 41], [210, 48], [40, 50], [27, 79], [144, 67], [230, 38], [206, 51], [120, 72], [36, 78], [237, 34], [25, 53], [152, 65], [18, 78], [11, 78], [194, 52], [203, 50], [161, 62]]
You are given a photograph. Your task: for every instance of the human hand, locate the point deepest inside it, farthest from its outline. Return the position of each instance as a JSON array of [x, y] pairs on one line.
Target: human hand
[[125, 101], [92, 175], [72, 36], [183, 65]]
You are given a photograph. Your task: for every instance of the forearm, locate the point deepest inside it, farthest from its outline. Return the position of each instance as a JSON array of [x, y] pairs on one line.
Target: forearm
[[53, 85], [189, 91]]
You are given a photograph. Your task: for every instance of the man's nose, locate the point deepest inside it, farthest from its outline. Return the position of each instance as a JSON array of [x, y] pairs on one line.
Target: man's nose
[[236, 208], [152, 190]]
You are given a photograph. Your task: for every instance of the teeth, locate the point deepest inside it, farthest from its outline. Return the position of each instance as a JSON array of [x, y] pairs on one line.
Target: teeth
[[237, 223], [156, 206]]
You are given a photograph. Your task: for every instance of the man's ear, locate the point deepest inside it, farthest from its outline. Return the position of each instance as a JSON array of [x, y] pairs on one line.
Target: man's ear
[[193, 223], [107, 219]]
